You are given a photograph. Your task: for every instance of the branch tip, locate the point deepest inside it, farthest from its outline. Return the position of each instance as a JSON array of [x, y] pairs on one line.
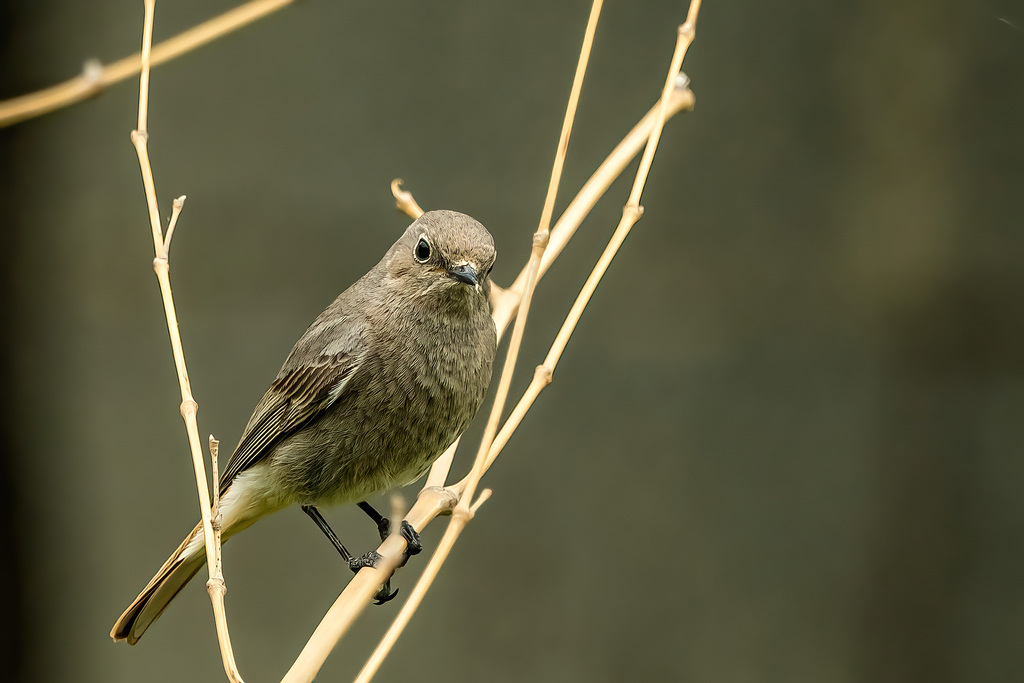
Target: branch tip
[[480, 500], [404, 200]]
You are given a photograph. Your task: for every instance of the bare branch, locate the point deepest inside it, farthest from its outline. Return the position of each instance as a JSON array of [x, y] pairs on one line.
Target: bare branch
[[189, 407], [95, 77]]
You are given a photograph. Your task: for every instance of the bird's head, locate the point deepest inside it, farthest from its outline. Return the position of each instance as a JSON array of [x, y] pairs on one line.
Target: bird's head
[[444, 254]]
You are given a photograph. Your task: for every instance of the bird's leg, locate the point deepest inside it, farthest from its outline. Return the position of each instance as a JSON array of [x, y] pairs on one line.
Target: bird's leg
[[319, 520], [412, 539], [368, 559]]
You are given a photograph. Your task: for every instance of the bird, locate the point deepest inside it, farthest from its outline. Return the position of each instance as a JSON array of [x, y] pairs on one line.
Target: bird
[[380, 384]]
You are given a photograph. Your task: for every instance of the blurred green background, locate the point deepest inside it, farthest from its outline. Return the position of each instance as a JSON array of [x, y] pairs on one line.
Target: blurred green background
[[785, 443]]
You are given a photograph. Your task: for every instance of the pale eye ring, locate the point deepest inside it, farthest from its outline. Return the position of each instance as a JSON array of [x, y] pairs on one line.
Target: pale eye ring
[[422, 251]]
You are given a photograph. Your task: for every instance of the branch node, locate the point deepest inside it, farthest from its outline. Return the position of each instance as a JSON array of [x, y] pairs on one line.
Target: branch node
[[448, 498], [92, 74], [216, 586], [543, 373], [541, 238], [140, 137], [632, 211], [189, 408], [682, 81], [463, 513], [687, 30]]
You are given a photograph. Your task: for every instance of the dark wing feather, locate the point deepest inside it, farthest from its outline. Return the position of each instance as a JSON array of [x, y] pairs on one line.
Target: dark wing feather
[[293, 399]]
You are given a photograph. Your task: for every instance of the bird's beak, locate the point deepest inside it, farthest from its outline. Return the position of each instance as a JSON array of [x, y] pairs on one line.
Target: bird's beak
[[465, 273]]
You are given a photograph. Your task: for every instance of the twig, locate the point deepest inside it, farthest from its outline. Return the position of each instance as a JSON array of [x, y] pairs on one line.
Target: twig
[[161, 265], [404, 201], [586, 198], [631, 213], [96, 77]]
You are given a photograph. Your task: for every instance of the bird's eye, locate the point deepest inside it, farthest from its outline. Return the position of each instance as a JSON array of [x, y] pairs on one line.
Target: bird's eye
[[422, 250]]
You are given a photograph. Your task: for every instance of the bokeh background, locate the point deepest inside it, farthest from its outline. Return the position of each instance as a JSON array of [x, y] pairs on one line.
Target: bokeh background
[[785, 443]]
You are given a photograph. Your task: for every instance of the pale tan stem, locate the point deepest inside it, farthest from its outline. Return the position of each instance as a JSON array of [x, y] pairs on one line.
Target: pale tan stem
[[95, 77], [176, 208], [189, 407], [540, 243], [438, 474], [507, 301], [570, 116], [215, 515], [631, 213]]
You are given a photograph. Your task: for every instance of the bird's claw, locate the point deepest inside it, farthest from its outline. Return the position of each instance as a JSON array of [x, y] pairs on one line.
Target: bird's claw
[[382, 596], [372, 558], [412, 539]]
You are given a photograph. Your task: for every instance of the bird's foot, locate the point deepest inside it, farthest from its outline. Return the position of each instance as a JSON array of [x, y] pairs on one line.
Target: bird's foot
[[371, 559], [413, 546]]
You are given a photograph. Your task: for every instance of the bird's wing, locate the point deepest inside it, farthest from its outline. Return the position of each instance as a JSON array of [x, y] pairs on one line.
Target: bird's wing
[[298, 394]]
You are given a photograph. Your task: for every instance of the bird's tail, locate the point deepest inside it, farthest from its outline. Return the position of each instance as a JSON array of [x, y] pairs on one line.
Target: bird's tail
[[178, 570]]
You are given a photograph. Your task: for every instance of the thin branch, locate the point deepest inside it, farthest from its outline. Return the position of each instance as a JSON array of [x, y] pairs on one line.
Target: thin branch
[[540, 243], [96, 77], [578, 209], [631, 213], [161, 265], [176, 206]]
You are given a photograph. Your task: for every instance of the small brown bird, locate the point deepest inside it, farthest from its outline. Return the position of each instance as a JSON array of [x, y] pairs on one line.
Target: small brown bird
[[382, 382]]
